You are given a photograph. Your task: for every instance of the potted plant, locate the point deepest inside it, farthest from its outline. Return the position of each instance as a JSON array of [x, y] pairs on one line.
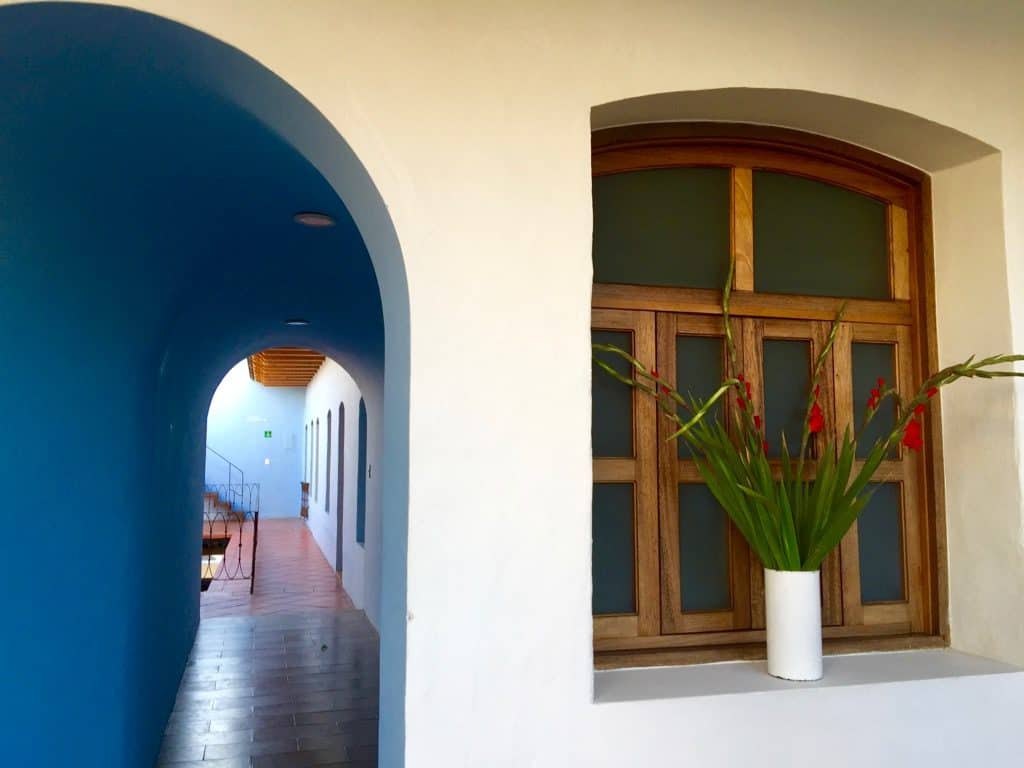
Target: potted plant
[[794, 511]]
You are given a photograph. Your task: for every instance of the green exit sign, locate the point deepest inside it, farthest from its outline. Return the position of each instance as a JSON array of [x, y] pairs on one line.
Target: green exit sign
[[267, 433]]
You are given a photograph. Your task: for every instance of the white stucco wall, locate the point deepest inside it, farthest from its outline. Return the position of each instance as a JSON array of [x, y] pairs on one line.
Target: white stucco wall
[[240, 411], [331, 386], [473, 120]]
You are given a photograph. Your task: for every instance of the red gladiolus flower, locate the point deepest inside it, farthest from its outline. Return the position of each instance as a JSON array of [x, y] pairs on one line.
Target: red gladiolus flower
[[741, 403], [932, 391], [654, 374], [876, 397], [739, 377], [757, 421], [912, 435], [749, 396], [881, 383], [816, 421], [919, 409], [665, 390]]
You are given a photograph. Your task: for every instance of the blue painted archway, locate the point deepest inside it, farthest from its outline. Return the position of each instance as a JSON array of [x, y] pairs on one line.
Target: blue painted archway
[[148, 177]]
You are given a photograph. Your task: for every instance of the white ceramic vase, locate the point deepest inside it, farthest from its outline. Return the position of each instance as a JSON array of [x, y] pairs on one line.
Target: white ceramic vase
[[792, 603]]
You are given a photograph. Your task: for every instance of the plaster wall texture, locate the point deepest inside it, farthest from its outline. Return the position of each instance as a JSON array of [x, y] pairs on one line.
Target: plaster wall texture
[[473, 121]]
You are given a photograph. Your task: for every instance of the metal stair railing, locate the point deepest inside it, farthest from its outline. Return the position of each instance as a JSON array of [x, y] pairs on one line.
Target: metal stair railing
[[227, 507], [236, 477]]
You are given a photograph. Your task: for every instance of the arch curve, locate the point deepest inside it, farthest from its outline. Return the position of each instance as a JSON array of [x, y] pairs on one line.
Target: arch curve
[[175, 257], [910, 138]]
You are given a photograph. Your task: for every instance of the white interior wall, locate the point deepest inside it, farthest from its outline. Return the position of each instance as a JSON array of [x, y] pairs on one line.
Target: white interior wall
[[331, 386], [986, 561], [473, 121], [240, 411]]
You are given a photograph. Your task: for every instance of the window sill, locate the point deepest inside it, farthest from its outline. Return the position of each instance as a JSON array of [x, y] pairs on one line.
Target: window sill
[[742, 677]]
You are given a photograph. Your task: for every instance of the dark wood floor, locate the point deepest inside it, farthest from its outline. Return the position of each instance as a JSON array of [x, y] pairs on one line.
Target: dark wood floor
[[277, 689]]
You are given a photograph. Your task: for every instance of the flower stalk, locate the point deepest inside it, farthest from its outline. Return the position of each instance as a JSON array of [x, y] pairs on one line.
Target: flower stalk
[[794, 510]]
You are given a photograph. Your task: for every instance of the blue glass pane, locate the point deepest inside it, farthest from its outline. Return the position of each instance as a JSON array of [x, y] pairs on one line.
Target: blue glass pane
[[611, 401], [662, 227], [870, 363], [703, 550], [880, 537], [818, 239], [614, 551], [699, 364], [787, 377]]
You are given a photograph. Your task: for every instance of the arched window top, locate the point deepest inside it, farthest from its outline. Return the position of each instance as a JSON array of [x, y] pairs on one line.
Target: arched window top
[[802, 215]]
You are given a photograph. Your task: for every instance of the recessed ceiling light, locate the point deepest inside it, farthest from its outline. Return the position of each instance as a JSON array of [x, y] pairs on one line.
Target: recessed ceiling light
[[313, 219], [296, 322]]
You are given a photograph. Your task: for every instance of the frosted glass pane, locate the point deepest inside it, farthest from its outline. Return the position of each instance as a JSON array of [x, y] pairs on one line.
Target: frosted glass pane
[[662, 227], [614, 551], [703, 550], [818, 239], [699, 362], [611, 401], [870, 363], [787, 376], [880, 535]]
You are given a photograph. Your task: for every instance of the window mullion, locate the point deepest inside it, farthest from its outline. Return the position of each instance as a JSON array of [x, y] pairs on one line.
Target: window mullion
[[646, 436], [899, 252], [915, 541], [849, 557], [741, 217], [831, 567], [750, 353]]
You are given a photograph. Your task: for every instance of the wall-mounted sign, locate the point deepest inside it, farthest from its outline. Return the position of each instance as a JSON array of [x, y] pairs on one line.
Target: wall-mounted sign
[[266, 433]]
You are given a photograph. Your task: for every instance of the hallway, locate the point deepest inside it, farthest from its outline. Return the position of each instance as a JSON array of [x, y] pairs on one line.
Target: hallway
[[287, 677], [292, 575]]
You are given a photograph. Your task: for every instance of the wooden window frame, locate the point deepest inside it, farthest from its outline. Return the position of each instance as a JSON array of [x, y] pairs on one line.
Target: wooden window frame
[[640, 470], [673, 472], [906, 320]]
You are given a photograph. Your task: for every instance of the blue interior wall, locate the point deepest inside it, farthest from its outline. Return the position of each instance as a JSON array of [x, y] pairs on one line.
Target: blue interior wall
[[146, 244]]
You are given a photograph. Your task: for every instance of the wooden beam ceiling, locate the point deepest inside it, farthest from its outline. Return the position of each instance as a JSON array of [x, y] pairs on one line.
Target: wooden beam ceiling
[[284, 366]]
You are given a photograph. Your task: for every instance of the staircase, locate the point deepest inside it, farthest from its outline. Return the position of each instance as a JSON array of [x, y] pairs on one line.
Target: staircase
[[231, 515], [217, 508]]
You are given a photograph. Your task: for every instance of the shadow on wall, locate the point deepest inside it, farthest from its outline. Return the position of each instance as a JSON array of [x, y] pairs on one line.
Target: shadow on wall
[[166, 268], [907, 137]]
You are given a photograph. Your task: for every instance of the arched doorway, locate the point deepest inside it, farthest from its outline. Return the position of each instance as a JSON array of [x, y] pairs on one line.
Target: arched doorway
[[176, 255]]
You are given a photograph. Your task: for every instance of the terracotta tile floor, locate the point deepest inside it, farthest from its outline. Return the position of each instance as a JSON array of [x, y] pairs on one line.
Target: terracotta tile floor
[[288, 677], [292, 574]]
